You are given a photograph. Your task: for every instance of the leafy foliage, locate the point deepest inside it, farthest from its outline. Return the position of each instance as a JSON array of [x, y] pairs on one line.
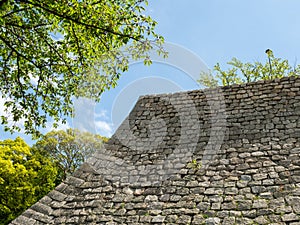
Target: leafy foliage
[[51, 51], [249, 72], [25, 177], [194, 164], [69, 149]]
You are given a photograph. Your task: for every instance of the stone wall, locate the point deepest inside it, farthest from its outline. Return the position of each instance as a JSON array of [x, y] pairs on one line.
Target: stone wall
[[228, 155]]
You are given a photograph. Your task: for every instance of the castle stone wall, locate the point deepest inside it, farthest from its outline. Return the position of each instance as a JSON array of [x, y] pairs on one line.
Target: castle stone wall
[[227, 156]]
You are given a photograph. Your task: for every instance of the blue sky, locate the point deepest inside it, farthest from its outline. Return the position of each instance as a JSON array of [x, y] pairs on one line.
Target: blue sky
[[218, 30], [214, 31]]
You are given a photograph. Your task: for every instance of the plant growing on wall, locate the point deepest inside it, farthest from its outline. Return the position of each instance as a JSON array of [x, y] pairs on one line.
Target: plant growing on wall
[[240, 72], [194, 164]]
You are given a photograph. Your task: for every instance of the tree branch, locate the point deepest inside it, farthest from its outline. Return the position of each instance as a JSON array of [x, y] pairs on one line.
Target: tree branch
[[6, 67], [19, 81], [27, 26], [105, 30], [53, 49], [17, 52], [13, 12], [77, 43]]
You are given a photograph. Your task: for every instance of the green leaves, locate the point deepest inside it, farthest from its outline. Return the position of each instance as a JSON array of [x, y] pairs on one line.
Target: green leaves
[[25, 177], [69, 149], [52, 51], [249, 72]]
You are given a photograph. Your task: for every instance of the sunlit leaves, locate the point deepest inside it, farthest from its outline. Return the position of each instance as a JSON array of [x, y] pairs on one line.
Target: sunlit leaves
[[52, 51], [69, 149], [249, 72], [25, 177]]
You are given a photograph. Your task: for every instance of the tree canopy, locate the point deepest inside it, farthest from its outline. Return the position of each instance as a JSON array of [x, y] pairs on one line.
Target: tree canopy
[[69, 149], [52, 51], [249, 72], [25, 177]]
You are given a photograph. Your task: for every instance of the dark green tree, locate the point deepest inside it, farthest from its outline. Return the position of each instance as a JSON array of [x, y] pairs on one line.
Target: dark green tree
[[52, 51]]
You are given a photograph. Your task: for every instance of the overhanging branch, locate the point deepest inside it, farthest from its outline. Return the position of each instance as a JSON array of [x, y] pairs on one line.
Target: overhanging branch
[[17, 52], [104, 30]]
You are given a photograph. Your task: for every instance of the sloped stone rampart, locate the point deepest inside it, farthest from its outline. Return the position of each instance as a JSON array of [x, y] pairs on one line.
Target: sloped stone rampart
[[252, 178]]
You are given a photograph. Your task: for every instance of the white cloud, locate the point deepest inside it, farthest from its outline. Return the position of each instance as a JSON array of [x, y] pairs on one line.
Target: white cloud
[[33, 79], [102, 114], [91, 119], [104, 128]]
